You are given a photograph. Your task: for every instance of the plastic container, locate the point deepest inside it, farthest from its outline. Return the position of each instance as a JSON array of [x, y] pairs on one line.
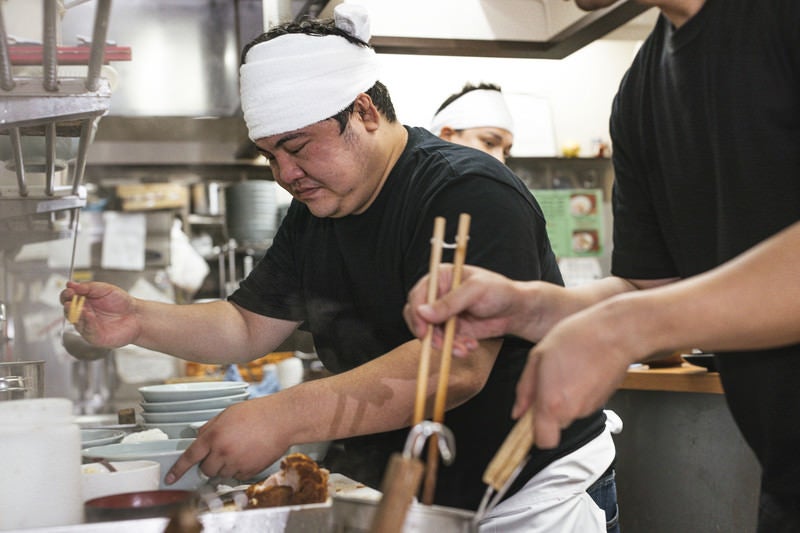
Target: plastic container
[[41, 464]]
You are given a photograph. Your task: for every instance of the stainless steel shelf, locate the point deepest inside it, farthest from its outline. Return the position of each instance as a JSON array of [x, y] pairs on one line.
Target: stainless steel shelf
[[18, 207], [40, 105]]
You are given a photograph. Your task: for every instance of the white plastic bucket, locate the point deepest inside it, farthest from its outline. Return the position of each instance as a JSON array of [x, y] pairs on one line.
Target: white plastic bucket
[[40, 461]]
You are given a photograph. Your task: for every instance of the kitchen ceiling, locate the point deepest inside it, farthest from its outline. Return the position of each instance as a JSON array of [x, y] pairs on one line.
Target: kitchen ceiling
[[207, 35], [543, 29]]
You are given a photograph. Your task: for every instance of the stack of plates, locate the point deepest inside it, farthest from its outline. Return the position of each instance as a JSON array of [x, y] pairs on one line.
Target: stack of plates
[[178, 409]]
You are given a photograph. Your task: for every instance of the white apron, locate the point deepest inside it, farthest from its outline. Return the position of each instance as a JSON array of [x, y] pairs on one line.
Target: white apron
[[555, 499]]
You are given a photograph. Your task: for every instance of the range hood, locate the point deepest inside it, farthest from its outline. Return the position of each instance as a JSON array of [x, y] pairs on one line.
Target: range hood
[[543, 29]]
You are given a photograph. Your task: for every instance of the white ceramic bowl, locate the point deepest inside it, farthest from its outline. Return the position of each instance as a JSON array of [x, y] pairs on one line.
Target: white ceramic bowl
[[173, 392], [131, 476], [220, 402], [180, 416], [165, 452], [98, 437]]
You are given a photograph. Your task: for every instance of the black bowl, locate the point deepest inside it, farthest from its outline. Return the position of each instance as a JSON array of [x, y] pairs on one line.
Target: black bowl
[[706, 360], [132, 505]]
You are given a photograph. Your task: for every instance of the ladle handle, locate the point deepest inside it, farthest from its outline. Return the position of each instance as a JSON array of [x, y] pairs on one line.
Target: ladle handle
[[400, 485]]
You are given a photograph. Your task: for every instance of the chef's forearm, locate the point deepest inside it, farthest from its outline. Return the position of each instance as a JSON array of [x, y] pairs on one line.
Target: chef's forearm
[[380, 395], [215, 332]]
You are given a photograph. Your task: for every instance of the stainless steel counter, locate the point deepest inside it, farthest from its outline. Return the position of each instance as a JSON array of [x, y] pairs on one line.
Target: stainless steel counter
[[306, 518]]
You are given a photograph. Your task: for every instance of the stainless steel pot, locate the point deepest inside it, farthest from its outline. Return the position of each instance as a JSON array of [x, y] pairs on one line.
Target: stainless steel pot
[[208, 198], [354, 515], [21, 380]]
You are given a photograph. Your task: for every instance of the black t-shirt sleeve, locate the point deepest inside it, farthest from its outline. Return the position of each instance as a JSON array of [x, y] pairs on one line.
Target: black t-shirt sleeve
[[273, 288]]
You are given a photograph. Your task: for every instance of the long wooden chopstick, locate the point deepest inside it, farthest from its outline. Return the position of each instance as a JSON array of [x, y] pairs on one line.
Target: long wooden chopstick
[[440, 403], [425, 356]]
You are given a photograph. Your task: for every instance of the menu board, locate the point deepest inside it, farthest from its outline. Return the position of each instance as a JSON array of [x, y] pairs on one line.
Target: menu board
[[574, 220]]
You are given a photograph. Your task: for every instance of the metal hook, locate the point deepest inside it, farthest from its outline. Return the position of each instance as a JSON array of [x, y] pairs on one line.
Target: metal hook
[[419, 434]]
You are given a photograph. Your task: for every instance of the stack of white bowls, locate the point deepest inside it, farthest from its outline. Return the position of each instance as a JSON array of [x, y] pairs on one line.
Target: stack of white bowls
[[178, 409]]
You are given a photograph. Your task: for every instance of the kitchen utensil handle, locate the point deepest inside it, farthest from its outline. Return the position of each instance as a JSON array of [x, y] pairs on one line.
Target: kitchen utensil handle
[[400, 485], [511, 453]]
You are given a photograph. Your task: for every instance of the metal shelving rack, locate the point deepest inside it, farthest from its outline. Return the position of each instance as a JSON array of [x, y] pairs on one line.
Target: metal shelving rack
[[51, 107]]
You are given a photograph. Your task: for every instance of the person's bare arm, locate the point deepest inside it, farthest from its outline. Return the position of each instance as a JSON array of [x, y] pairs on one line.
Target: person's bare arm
[[211, 332], [375, 397], [751, 302], [489, 305], [215, 332]]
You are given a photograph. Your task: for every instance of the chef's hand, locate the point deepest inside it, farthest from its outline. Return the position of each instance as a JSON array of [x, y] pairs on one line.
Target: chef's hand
[[487, 305], [108, 318], [237, 443], [575, 369]]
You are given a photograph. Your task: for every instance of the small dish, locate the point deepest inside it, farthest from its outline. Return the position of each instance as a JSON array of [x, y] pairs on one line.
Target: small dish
[[165, 452], [180, 416], [173, 392], [220, 402], [130, 476], [134, 505], [98, 437]]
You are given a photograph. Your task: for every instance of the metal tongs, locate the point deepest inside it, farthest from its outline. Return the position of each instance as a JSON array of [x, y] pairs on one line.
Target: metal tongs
[[506, 464], [404, 474]]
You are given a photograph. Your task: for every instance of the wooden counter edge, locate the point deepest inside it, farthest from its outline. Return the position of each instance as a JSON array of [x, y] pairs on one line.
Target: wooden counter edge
[[684, 378]]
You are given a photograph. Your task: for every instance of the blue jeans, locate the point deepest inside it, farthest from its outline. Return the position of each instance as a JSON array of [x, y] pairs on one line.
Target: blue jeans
[[604, 493]]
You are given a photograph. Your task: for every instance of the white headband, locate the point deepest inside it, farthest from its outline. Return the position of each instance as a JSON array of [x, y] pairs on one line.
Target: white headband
[[298, 79], [479, 108]]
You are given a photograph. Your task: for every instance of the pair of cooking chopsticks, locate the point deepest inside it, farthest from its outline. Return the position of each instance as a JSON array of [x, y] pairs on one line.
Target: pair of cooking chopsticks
[[507, 463], [440, 401], [404, 472]]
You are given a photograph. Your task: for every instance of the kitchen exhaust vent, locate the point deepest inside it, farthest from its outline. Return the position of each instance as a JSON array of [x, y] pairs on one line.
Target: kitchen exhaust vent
[[185, 53]]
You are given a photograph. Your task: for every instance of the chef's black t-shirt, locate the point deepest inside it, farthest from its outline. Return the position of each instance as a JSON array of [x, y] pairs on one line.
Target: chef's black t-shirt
[[348, 278]]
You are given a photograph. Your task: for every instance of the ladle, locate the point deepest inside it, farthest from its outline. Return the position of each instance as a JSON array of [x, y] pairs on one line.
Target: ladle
[[78, 347], [73, 341]]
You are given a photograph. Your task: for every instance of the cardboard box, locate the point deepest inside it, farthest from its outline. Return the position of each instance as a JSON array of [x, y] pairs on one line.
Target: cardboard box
[[146, 196]]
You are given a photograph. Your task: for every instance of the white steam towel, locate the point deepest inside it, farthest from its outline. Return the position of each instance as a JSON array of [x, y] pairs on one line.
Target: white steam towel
[[296, 80], [480, 108]]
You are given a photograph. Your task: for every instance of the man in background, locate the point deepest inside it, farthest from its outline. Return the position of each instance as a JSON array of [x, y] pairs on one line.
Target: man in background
[[477, 117]]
